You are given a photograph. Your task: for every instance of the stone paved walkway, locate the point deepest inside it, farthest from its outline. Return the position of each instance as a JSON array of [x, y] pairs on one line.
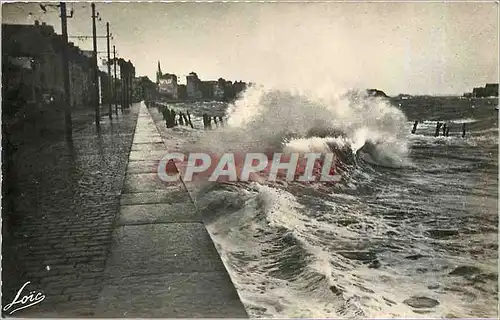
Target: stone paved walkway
[[100, 235], [162, 261], [61, 224]]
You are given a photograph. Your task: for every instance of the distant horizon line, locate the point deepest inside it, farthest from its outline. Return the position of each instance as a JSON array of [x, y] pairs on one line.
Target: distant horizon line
[[458, 94]]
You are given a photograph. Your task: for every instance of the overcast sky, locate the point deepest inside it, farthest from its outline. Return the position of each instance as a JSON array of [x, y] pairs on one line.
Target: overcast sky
[[416, 48]]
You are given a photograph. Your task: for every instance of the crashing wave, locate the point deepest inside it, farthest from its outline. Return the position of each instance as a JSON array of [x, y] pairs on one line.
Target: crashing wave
[[352, 124]]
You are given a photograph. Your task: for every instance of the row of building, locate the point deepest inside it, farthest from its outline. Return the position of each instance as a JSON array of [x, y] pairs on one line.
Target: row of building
[[32, 71], [195, 88], [489, 90]]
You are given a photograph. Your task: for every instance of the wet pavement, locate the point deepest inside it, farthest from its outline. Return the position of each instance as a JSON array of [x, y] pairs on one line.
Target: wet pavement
[[58, 231], [95, 230], [162, 261]]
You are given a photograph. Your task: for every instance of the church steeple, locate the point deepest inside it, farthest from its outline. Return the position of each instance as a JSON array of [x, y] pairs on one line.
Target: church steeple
[[158, 73]]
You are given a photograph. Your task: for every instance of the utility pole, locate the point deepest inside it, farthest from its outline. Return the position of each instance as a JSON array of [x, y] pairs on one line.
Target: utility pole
[[109, 74], [126, 84], [115, 80], [96, 69], [123, 73], [122, 84], [130, 90], [67, 95], [132, 75]]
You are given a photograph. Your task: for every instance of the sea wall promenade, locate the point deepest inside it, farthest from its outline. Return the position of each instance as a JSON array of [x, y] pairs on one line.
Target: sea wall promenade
[[93, 230]]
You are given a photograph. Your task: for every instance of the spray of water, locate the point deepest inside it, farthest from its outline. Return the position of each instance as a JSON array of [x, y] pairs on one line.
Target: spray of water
[[277, 119]]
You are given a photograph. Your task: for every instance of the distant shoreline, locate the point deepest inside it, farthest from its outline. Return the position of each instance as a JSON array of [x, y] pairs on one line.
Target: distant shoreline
[[194, 100], [406, 97]]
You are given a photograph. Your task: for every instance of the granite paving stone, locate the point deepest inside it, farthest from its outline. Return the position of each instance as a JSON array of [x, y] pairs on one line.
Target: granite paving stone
[[142, 166], [148, 147], [143, 182], [171, 194], [160, 248], [147, 155], [156, 213], [211, 295]]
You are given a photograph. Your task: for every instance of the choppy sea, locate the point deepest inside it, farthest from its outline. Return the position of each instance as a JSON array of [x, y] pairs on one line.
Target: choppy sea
[[411, 230]]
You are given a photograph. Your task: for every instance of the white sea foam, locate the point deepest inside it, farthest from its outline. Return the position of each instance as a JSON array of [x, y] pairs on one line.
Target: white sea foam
[[268, 119], [257, 218]]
